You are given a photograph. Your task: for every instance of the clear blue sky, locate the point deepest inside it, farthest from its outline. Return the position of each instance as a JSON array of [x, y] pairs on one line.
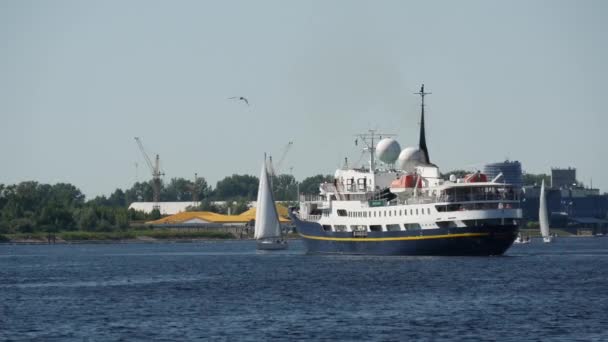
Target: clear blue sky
[[524, 80]]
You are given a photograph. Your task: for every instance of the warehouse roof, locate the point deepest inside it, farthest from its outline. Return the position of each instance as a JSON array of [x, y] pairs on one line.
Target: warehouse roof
[[210, 217]]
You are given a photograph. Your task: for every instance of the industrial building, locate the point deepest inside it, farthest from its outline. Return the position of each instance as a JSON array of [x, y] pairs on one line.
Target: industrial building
[[563, 178], [204, 217], [172, 208], [570, 205], [511, 172], [239, 225], [165, 208]]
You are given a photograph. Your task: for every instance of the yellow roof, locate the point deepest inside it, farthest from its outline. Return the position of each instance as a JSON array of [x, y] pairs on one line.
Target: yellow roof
[[218, 218], [281, 210]]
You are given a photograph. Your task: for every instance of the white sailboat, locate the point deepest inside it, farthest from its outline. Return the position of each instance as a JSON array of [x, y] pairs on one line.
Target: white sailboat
[[543, 217], [267, 225], [520, 239]]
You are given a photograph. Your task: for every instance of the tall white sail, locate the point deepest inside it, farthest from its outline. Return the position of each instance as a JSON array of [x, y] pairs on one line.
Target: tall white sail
[[266, 218], [543, 217]]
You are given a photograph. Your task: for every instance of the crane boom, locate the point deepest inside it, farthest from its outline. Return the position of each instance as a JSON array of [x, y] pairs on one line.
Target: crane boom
[[155, 169], [283, 155], [143, 151]]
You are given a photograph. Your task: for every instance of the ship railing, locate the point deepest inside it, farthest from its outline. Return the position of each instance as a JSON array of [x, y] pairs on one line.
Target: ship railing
[[476, 206], [342, 197], [311, 198], [478, 197], [426, 199], [420, 200], [313, 217], [346, 192]]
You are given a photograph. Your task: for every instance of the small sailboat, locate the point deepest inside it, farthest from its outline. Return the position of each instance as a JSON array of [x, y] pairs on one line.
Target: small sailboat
[[267, 225], [520, 239], [543, 217]]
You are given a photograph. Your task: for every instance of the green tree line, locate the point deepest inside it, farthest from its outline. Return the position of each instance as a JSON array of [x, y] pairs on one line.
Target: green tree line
[[32, 207]]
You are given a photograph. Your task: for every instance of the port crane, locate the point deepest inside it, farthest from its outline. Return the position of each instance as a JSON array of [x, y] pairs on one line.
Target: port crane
[[156, 173], [275, 170]]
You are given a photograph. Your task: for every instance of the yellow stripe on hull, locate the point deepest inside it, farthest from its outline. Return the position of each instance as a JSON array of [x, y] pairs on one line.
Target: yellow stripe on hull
[[401, 238]]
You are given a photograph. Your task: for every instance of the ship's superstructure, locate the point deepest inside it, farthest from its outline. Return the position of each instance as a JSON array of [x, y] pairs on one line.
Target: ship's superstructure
[[408, 208]]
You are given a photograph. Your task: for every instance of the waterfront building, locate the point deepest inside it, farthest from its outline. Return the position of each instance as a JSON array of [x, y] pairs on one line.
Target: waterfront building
[[511, 172]]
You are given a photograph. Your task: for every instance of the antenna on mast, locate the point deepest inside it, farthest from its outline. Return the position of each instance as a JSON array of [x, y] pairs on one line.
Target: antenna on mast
[[370, 139], [422, 143]]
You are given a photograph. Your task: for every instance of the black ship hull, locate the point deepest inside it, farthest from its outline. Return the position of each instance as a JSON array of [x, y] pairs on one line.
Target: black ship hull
[[465, 241]]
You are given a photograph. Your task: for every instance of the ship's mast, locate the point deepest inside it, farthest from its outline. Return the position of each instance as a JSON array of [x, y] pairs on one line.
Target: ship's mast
[[422, 144], [369, 139], [372, 152]]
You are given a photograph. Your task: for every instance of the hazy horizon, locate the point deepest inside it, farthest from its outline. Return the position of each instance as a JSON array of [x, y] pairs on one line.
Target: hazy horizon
[[510, 80]]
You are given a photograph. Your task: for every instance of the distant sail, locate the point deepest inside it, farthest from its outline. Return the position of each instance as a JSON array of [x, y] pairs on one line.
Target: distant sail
[[543, 217], [266, 218]]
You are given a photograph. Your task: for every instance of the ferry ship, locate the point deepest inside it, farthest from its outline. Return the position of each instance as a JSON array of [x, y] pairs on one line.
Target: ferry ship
[[402, 206]]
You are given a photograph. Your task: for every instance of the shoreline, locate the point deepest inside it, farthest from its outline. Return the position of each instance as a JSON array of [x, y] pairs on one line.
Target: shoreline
[[138, 240]]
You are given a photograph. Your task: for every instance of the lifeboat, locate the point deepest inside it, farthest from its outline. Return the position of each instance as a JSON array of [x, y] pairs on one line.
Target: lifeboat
[[407, 181], [477, 177]]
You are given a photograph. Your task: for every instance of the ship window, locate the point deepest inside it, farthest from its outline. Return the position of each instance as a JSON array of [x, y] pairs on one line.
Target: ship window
[[374, 214], [416, 211], [340, 228], [412, 226], [375, 228], [362, 183], [389, 213], [400, 212], [405, 212], [327, 228], [411, 211], [393, 227], [350, 184], [428, 211], [358, 228], [341, 212]]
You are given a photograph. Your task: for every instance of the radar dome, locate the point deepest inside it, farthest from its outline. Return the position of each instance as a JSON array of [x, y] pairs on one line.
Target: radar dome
[[388, 150], [409, 158]]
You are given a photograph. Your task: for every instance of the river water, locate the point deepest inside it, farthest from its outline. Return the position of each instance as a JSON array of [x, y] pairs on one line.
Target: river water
[[227, 291]]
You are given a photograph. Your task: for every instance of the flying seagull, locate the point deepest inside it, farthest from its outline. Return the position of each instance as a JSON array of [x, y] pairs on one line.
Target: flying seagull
[[240, 98]]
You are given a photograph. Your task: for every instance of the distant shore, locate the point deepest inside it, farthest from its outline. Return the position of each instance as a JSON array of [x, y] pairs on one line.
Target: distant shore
[[128, 236], [131, 236]]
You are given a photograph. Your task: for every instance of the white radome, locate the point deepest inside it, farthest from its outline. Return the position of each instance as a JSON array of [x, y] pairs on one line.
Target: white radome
[[388, 150], [409, 158]]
